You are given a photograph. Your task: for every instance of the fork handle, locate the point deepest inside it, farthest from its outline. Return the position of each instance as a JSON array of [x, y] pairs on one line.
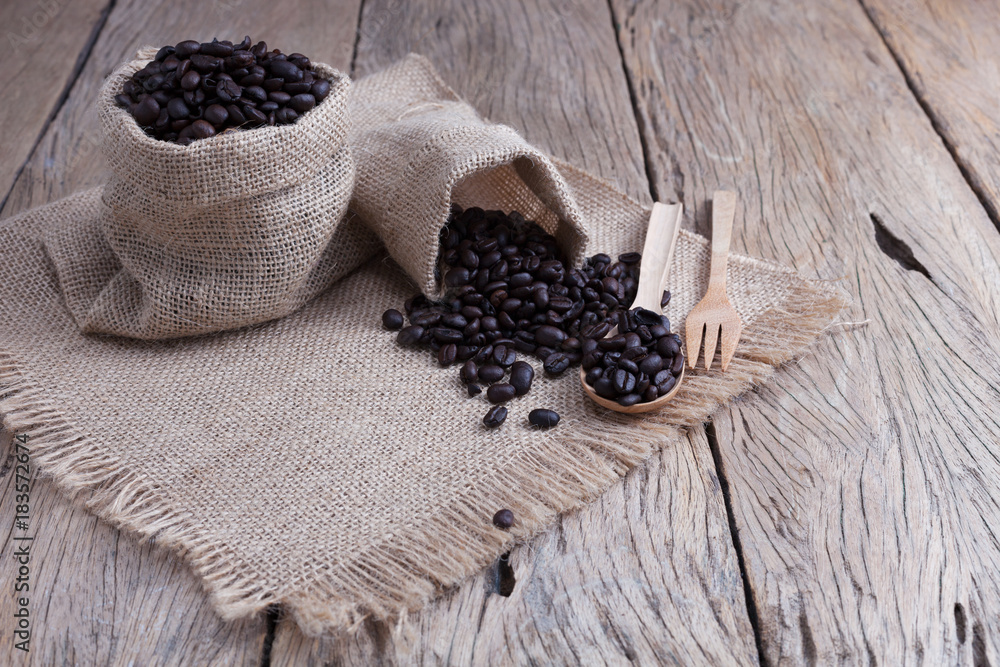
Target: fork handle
[[723, 212]]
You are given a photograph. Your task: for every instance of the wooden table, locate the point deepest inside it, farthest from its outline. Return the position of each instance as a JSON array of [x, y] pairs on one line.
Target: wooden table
[[846, 512]]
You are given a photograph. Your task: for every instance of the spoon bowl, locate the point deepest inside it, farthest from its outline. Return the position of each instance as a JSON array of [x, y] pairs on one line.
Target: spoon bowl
[[657, 253], [636, 409]]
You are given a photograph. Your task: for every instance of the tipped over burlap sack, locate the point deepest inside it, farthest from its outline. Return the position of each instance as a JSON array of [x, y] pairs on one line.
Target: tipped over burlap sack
[[310, 461], [229, 231]]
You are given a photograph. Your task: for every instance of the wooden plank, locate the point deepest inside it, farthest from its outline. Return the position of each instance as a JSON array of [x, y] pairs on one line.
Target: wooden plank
[[41, 44], [647, 573], [864, 480], [949, 52], [104, 598]]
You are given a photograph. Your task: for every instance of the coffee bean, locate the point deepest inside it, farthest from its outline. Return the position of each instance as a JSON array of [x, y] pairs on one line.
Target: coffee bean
[[503, 519], [500, 392], [664, 387], [623, 381], [286, 70], [556, 363], [495, 416], [446, 335], [285, 116], [677, 365], [469, 372], [667, 347], [392, 319], [651, 364], [187, 48], [504, 355], [177, 109], [410, 335], [665, 299], [457, 276], [543, 418], [215, 48], [447, 354], [202, 129], [521, 376], [146, 112], [302, 102], [320, 89], [490, 373], [549, 335], [605, 388], [630, 399], [474, 389]]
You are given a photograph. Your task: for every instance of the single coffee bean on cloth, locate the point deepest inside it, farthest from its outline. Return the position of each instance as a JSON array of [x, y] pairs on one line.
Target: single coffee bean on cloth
[[234, 229], [392, 466]]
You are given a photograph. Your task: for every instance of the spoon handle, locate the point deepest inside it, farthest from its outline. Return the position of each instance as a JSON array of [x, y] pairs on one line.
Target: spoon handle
[[657, 253]]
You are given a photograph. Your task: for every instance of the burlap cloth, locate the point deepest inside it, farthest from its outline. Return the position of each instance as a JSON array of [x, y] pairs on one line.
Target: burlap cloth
[[309, 460]]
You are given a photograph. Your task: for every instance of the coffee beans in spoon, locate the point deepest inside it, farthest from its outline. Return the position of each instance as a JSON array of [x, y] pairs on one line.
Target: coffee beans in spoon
[[642, 362], [195, 90]]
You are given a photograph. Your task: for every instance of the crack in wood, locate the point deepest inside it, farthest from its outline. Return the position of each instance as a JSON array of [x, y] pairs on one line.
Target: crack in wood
[[960, 622], [974, 183], [505, 576], [897, 248], [634, 101], [273, 616], [751, 604]]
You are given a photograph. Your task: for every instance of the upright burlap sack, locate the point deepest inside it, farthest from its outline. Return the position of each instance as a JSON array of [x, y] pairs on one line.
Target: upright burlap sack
[[229, 231], [311, 461]]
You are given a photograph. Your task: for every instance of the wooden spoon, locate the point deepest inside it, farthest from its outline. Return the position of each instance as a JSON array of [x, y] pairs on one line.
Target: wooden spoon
[[657, 253]]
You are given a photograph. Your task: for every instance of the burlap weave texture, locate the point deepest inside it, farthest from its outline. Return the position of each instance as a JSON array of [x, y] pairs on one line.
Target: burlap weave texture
[[311, 461]]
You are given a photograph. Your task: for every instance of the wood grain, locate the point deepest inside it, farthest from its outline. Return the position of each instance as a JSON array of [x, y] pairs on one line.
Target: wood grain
[[648, 573], [41, 43], [949, 53], [864, 480], [103, 598]]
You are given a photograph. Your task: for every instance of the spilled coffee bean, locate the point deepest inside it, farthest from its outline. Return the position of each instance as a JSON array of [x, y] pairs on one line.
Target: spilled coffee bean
[[511, 294], [495, 416], [392, 319], [543, 418], [503, 519]]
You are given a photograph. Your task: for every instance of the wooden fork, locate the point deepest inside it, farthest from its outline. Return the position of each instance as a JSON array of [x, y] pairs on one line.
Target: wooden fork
[[714, 311]]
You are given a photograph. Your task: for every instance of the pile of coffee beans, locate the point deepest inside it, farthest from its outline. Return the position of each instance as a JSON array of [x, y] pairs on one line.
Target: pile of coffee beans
[[640, 363], [510, 293], [194, 90]]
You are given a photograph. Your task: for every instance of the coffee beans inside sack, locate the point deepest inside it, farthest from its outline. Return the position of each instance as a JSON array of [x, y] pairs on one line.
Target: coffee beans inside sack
[[195, 90], [510, 293], [238, 227]]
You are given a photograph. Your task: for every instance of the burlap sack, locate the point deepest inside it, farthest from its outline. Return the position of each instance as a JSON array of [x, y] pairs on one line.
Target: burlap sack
[[419, 147], [311, 461], [229, 231]]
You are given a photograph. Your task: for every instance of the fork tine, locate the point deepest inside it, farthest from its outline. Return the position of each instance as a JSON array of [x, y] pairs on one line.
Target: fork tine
[[711, 339], [730, 337], [693, 332]]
